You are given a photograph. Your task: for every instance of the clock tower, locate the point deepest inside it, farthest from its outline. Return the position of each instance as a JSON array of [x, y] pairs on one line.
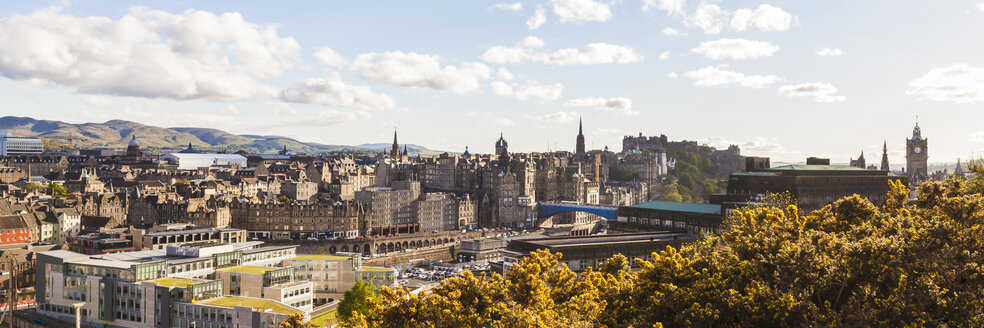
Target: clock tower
[[916, 156]]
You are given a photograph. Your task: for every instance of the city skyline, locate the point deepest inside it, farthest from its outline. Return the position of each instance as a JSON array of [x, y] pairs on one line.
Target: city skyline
[[792, 80]]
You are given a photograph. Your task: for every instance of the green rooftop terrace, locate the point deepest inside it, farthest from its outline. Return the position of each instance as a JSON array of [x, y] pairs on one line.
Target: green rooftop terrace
[[365, 268], [316, 257], [248, 269], [175, 282], [256, 304]]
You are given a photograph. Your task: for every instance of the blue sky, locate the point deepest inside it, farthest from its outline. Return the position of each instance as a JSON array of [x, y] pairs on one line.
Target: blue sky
[[786, 79]]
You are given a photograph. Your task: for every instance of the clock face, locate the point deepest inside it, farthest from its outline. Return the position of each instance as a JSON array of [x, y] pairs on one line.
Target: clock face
[[917, 150]]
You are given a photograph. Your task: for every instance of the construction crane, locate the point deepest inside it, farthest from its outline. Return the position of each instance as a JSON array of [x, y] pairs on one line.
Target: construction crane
[[71, 141]]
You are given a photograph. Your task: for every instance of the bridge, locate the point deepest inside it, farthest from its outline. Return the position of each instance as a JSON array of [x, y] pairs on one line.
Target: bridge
[[609, 212]]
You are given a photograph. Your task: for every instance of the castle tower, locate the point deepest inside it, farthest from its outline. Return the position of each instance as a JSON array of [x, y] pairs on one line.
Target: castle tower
[[916, 156], [859, 162], [502, 150], [580, 138], [884, 163]]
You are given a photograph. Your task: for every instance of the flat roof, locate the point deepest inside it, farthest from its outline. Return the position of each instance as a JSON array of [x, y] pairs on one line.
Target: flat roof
[[249, 269], [267, 249], [603, 239], [801, 167], [320, 257], [255, 303], [365, 268], [175, 282], [680, 207]]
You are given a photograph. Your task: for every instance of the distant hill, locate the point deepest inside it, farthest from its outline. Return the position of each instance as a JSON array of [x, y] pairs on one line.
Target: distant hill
[[116, 134]]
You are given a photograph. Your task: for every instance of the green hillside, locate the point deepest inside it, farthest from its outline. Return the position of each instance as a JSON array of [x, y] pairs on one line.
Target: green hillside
[[116, 134]]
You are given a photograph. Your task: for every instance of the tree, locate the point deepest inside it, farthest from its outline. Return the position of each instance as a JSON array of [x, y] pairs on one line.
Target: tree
[[58, 190], [295, 320], [851, 263], [283, 199], [356, 300]]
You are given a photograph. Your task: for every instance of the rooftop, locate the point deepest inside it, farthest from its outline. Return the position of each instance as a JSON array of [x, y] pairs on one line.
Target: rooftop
[[175, 282], [680, 207], [561, 241], [800, 167], [256, 304], [249, 269], [365, 268], [316, 257]]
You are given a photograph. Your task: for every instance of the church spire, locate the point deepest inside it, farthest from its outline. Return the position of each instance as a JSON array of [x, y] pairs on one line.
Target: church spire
[[580, 138], [395, 151], [884, 162]]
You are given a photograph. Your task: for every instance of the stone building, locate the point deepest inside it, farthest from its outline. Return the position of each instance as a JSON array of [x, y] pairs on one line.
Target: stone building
[[812, 185], [916, 156], [298, 221]]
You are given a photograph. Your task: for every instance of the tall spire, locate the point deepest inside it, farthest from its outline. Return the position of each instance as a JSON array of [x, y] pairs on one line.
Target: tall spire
[[395, 151], [884, 161], [580, 138]]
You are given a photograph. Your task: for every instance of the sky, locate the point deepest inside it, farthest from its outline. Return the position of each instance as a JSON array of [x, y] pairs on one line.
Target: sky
[[785, 79]]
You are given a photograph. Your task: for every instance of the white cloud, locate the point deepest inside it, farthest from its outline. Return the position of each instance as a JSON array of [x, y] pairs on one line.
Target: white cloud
[[670, 31], [503, 74], [515, 6], [333, 91], [712, 19], [714, 76], [98, 101], [538, 19], [591, 54], [821, 92], [664, 55], [960, 83], [581, 11], [229, 110], [147, 53], [471, 114], [765, 18], [420, 71], [503, 122], [980, 6], [529, 90], [977, 136], [281, 108], [830, 52], [737, 49], [672, 75], [329, 57], [670, 6], [618, 105], [558, 117], [709, 18], [532, 42]]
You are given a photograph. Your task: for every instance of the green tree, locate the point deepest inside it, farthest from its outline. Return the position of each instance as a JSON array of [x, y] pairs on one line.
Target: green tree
[[283, 199], [356, 300], [851, 263], [295, 320], [58, 190]]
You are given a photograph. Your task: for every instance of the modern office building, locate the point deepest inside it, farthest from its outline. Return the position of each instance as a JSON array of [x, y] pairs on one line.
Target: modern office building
[[220, 286], [332, 275], [186, 161], [10, 145]]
